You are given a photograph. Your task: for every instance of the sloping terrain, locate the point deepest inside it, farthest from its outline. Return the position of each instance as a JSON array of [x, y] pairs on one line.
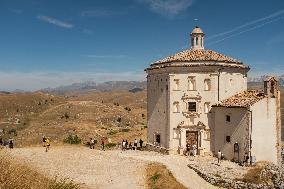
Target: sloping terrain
[[115, 115]]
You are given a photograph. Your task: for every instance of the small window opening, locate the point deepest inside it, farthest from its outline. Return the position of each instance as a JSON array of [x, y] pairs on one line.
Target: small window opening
[[228, 118], [192, 106], [158, 138], [228, 139]]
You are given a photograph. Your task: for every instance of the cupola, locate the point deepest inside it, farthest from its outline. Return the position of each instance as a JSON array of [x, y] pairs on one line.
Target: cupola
[[197, 39]]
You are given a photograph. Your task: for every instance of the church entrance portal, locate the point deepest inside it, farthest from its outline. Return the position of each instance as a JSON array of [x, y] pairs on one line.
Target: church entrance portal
[[192, 138]]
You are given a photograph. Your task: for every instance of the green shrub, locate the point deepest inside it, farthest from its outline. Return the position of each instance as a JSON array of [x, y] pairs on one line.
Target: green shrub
[[125, 130], [12, 131], [155, 177], [127, 108], [110, 145], [72, 139], [112, 132]]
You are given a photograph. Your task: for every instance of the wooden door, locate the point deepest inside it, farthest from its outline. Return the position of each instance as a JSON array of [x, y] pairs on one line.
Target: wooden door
[[192, 138]]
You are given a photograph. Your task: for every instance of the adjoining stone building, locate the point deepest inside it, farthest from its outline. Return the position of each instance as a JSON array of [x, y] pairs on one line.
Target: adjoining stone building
[[199, 97]]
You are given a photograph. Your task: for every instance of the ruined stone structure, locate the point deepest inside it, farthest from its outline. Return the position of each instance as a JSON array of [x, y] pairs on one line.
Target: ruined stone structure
[[199, 98]]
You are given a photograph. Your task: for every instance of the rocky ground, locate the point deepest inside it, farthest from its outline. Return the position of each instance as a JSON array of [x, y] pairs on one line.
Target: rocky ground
[[230, 175]]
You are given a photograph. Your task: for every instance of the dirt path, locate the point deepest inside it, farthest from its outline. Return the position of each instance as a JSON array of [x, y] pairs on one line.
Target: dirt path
[[96, 169], [177, 165], [106, 169]]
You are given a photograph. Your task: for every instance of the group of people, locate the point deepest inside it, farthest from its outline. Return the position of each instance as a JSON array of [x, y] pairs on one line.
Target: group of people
[[191, 150], [92, 143], [125, 145], [9, 143]]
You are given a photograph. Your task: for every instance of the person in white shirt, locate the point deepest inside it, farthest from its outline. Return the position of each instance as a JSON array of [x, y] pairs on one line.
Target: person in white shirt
[[219, 156]]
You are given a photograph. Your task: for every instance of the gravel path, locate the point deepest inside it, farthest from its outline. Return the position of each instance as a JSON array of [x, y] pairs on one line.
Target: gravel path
[[106, 169], [177, 165], [95, 169]]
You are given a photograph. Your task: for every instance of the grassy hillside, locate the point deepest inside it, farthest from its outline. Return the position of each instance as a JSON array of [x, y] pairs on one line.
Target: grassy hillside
[[116, 115]]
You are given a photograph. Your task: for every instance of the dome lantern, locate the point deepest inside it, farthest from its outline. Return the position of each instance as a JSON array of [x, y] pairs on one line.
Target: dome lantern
[[197, 39]]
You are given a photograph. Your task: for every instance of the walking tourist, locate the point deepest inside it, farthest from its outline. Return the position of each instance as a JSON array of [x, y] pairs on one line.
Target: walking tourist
[[135, 144], [194, 150], [92, 143], [126, 144], [141, 143], [123, 145], [47, 144], [246, 159], [11, 143], [43, 141], [219, 156], [103, 144], [187, 153], [130, 146]]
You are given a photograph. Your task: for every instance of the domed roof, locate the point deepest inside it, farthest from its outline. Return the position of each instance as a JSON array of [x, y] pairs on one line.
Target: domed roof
[[197, 30], [198, 55], [189, 58]]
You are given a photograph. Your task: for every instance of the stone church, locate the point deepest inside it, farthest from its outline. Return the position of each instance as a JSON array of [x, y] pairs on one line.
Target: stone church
[[199, 97]]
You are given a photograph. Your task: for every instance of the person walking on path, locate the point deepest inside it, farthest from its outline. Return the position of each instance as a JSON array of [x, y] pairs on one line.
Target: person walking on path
[[194, 150], [103, 144], [92, 143], [43, 141], [126, 144], [135, 144], [246, 159], [219, 156], [47, 144], [11, 143], [123, 145], [141, 143]]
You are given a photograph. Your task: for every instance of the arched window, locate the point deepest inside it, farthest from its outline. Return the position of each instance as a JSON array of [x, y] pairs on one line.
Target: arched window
[[207, 84], [176, 107], [201, 42], [176, 82], [231, 82], [191, 84], [196, 40]]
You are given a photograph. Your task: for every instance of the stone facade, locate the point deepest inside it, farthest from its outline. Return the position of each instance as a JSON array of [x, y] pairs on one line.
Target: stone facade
[[181, 90]]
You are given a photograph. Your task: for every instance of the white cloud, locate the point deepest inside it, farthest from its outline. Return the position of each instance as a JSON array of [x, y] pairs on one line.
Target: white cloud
[[10, 81], [169, 8], [54, 21]]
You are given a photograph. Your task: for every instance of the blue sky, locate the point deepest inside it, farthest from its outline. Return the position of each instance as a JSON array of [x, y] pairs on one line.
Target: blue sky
[[51, 43]]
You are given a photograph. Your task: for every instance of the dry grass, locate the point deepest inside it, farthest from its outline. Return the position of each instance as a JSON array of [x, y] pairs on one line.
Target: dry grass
[[159, 177], [253, 175], [15, 175]]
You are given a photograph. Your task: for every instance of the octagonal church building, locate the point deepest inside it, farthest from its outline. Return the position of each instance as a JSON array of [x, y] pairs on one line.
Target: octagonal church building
[[199, 98]]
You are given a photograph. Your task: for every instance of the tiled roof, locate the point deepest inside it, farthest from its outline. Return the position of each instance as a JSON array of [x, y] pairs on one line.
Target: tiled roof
[[198, 55], [243, 99]]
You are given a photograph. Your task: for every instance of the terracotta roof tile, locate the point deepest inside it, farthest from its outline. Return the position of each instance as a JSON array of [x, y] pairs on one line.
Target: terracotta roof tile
[[198, 55], [243, 99]]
